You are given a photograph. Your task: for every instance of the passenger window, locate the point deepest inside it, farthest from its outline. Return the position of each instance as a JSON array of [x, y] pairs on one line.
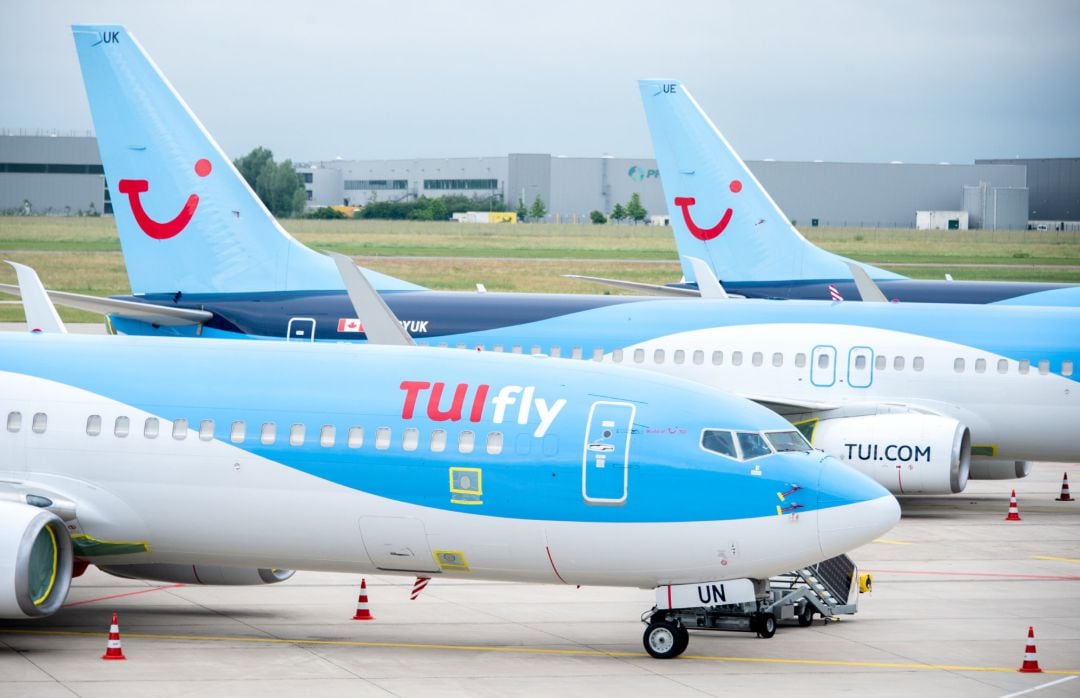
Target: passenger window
[[151, 427], [1044, 367], [382, 438], [639, 356], [1025, 366], [1003, 365], [461, 346], [516, 349], [40, 422], [777, 359], [497, 348], [93, 425], [800, 360], [658, 356], [788, 441], [121, 426], [296, 434], [679, 356], [494, 443], [465, 442], [438, 441], [699, 357], [410, 439], [719, 442], [823, 360], [980, 365], [1066, 368], [958, 365], [756, 358], [736, 358], [356, 437], [598, 354], [917, 363], [206, 429], [616, 355], [860, 362], [880, 362], [752, 445], [237, 432], [718, 358], [898, 363], [327, 435], [179, 429], [575, 353], [536, 350], [268, 434], [14, 421], [555, 352]]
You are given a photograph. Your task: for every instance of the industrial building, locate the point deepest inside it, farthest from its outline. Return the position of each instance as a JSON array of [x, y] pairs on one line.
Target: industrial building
[[62, 174]]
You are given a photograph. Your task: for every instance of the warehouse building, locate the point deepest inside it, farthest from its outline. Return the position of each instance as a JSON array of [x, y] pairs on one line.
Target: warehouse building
[[44, 173]]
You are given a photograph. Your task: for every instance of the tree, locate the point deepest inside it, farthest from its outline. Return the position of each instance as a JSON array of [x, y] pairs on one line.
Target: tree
[[597, 218], [618, 213], [522, 212], [278, 185], [538, 210], [634, 209]]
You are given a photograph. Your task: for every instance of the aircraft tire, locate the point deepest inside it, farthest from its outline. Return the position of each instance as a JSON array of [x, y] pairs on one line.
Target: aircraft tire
[[661, 639]]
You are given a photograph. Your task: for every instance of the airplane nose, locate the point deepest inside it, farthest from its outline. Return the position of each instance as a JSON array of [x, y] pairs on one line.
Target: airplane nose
[[853, 509]]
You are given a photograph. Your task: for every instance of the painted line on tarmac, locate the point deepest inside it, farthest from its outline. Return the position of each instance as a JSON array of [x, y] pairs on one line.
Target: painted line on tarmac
[[1059, 559], [892, 542], [1039, 687], [529, 650], [1000, 575], [118, 596]]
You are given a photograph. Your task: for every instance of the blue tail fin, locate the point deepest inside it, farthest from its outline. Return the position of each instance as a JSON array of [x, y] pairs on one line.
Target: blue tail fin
[[187, 220], [719, 211]]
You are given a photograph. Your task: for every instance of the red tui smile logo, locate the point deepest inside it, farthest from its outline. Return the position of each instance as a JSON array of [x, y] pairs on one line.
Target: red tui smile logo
[[167, 229], [706, 234]]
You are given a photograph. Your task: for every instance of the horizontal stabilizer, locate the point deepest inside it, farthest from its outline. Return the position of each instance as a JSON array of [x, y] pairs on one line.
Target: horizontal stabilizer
[[156, 314], [639, 287]]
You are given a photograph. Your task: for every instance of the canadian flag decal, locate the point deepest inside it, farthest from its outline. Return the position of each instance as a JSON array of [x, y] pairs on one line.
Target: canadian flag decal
[[349, 324]]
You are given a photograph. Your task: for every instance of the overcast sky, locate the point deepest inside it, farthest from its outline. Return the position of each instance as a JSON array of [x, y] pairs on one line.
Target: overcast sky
[[861, 81]]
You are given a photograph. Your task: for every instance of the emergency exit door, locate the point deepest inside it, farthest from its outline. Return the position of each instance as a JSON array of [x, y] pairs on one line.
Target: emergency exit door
[[605, 464]]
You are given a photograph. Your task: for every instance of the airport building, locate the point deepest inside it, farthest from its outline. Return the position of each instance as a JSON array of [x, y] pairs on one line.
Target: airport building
[[62, 174]]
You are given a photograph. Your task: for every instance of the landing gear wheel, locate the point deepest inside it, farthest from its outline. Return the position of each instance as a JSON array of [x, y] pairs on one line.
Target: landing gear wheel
[[662, 639], [766, 625], [806, 618], [682, 639]]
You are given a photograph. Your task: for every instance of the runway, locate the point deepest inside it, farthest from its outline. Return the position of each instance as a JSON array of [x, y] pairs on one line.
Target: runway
[[955, 589]]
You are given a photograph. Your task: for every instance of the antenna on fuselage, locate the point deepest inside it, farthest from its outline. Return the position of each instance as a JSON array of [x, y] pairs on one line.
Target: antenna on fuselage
[[380, 324], [41, 315]]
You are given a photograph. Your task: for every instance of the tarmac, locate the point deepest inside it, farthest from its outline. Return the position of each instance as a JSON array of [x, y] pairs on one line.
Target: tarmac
[[955, 588]]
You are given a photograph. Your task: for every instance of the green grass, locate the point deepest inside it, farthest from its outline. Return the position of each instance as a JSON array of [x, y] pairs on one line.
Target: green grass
[[83, 254]]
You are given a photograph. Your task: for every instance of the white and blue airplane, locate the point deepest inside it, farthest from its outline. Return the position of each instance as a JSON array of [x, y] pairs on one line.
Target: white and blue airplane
[[920, 396], [237, 462], [721, 214]]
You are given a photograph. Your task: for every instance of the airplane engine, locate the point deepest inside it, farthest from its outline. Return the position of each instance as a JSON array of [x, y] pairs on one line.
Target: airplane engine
[[198, 574], [905, 452], [35, 561], [1000, 469]]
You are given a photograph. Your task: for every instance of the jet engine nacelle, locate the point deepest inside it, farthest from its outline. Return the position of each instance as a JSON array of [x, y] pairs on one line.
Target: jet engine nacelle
[[198, 574], [35, 561], [1000, 469], [905, 452]]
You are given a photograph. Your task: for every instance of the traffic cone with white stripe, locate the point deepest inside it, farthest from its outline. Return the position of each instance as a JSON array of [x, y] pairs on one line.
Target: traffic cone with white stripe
[[1014, 511], [113, 650], [1031, 662], [362, 612], [1065, 489]]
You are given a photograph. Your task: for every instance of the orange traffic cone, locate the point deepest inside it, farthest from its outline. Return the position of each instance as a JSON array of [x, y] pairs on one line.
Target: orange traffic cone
[[1014, 512], [362, 612], [113, 650], [1065, 489], [1031, 662]]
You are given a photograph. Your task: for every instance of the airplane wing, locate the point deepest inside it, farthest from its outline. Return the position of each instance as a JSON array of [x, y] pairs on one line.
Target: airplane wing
[[41, 315], [651, 289], [166, 316]]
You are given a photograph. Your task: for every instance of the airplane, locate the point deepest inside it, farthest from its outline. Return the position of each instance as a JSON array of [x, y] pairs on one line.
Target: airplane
[[720, 213], [238, 462], [968, 391]]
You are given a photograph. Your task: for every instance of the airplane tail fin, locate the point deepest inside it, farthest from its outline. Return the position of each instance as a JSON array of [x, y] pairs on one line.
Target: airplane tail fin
[[188, 221], [719, 210]]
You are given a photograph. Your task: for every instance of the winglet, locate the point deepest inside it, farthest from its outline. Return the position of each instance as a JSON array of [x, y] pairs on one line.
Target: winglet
[[708, 285], [380, 324], [868, 290], [41, 315]]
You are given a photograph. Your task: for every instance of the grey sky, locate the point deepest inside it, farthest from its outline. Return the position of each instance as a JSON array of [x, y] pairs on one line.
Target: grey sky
[[833, 80]]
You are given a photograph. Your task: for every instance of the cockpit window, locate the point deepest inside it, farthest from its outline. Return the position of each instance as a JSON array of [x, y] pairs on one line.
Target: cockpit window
[[753, 445], [719, 442], [787, 441]]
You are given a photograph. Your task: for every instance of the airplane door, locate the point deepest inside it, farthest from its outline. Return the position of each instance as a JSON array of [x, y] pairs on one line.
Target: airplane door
[[823, 366], [605, 463], [397, 543], [301, 329], [860, 367]]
